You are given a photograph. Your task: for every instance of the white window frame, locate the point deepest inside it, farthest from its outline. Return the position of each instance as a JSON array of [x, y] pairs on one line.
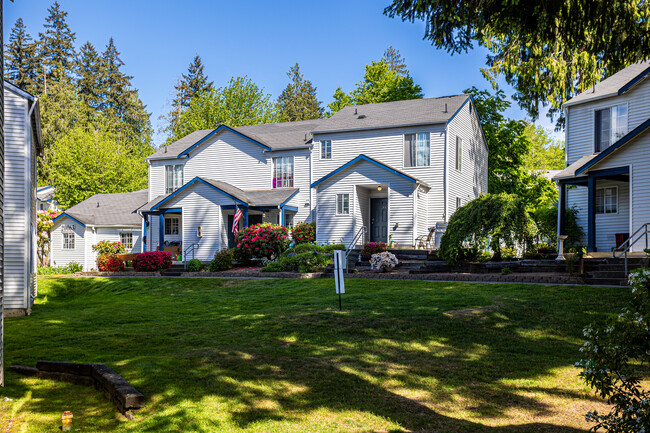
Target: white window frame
[[604, 210], [172, 226], [459, 203], [416, 134], [174, 177], [68, 241], [126, 244], [597, 126], [340, 204], [459, 154], [328, 152], [284, 178]]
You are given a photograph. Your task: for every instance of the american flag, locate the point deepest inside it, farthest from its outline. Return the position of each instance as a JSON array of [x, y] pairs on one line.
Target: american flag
[[235, 220]]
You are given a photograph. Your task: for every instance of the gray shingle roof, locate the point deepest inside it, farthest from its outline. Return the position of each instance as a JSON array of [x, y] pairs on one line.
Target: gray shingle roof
[[570, 171], [393, 114], [259, 197], [110, 209], [180, 145], [282, 135], [46, 194], [612, 85]]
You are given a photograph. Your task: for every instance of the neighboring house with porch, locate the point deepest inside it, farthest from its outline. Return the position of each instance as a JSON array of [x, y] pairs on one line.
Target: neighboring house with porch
[[23, 143], [397, 168], [607, 174], [45, 200], [110, 217]]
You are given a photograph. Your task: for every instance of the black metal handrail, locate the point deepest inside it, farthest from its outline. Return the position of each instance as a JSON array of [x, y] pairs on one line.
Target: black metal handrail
[[351, 245], [193, 248], [642, 232]]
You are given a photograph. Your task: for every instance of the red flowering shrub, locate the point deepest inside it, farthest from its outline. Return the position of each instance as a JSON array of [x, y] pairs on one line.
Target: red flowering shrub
[[152, 261], [371, 248], [304, 233], [112, 264], [262, 240]]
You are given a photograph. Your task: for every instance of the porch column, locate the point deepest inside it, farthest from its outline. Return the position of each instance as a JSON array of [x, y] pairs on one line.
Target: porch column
[[144, 232], [561, 209], [161, 231], [282, 220], [245, 212], [591, 213]]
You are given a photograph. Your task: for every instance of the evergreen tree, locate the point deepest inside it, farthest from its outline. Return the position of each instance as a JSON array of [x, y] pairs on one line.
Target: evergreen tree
[[21, 59], [395, 61], [119, 101], [56, 44], [192, 84], [89, 79], [298, 100]]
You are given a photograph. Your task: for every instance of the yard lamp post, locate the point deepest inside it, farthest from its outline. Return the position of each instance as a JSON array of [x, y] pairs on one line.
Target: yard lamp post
[[560, 247]]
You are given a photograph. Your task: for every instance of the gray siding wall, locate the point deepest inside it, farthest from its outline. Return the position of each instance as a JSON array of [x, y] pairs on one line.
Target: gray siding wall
[[580, 126], [471, 181], [387, 146], [18, 213], [342, 228]]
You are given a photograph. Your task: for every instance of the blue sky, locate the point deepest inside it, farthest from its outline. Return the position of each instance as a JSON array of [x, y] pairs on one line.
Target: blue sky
[[332, 41]]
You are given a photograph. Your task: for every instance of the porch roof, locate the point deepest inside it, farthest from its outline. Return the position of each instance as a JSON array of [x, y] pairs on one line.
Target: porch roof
[[117, 209], [362, 157], [277, 197]]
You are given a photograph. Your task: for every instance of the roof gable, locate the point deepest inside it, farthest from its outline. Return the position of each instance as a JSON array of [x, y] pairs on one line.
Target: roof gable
[[372, 161], [615, 85]]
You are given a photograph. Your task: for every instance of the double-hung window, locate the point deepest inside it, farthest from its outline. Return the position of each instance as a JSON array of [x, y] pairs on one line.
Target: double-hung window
[[173, 177], [417, 150], [611, 126], [283, 172], [68, 241], [326, 149], [459, 154], [172, 226], [126, 239], [343, 204], [607, 200]]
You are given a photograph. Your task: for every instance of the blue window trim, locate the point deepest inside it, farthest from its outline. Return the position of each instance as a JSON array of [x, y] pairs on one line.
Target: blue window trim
[[602, 155], [68, 216], [220, 128], [363, 158], [192, 182]]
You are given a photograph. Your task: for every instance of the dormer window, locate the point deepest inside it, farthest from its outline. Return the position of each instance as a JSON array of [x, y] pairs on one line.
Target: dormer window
[[611, 126]]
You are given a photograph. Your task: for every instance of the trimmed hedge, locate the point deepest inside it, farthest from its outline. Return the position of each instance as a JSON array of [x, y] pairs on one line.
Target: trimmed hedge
[[305, 248], [304, 262], [194, 265], [222, 261], [152, 261]]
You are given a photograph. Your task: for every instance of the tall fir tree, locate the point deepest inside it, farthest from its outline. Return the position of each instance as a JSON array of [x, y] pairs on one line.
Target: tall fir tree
[[395, 61], [298, 100], [56, 45], [88, 71], [118, 100], [192, 84], [21, 59]]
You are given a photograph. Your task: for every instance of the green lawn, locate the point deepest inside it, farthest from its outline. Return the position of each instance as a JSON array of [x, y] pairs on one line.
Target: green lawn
[[278, 356]]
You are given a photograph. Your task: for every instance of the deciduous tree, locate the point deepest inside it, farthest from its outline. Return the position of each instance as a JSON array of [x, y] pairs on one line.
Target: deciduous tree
[[547, 51]]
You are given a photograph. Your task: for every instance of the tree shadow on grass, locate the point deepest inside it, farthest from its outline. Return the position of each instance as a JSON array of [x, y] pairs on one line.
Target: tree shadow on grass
[[284, 363]]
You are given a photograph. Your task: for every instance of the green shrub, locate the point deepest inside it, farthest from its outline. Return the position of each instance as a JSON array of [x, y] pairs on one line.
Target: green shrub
[[485, 256], [194, 265], [73, 268], [70, 268], [546, 220], [508, 253], [308, 248], [506, 271], [487, 221], [109, 248], [222, 261], [304, 233], [303, 262]]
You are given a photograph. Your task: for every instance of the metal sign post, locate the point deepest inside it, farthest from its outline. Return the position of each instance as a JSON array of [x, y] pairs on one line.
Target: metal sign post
[[339, 257]]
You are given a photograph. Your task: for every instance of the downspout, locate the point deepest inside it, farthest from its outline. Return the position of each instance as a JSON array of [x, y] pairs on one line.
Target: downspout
[[444, 176]]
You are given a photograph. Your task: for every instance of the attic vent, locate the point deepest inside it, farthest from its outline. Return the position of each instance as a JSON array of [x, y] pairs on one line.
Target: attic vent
[[355, 111], [305, 136], [362, 116], [165, 149], [445, 108], [97, 204]]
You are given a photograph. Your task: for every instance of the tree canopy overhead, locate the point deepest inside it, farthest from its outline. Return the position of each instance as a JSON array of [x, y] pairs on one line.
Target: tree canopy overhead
[[547, 51]]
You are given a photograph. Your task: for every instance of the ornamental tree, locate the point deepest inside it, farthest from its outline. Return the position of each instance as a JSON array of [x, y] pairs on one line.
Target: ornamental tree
[[489, 221], [44, 223], [616, 359]]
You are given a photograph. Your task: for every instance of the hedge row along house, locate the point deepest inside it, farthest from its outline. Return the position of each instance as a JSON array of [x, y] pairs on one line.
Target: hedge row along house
[[607, 174], [398, 169]]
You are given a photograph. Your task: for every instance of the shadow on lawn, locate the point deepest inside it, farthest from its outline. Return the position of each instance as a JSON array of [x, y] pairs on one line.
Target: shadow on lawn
[[286, 364]]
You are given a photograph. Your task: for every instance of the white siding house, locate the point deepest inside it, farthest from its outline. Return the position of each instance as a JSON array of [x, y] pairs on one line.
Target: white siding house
[[386, 167], [45, 200], [607, 178], [110, 217], [22, 145]]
